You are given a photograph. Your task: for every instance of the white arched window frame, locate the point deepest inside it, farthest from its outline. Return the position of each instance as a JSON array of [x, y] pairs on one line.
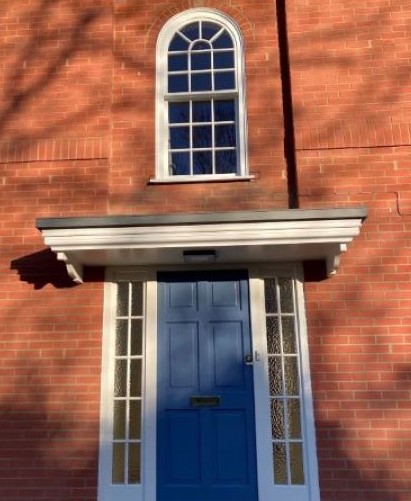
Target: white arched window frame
[[220, 152]]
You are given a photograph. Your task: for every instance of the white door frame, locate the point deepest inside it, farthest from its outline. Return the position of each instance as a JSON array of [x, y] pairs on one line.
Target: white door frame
[[146, 491]]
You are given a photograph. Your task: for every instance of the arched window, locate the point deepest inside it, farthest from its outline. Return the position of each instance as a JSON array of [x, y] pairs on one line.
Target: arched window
[[201, 127]]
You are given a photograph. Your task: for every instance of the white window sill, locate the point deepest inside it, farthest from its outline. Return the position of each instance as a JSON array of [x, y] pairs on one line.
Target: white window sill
[[200, 179]]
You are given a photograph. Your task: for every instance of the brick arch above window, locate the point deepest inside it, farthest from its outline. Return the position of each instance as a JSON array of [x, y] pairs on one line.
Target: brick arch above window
[[201, 130]]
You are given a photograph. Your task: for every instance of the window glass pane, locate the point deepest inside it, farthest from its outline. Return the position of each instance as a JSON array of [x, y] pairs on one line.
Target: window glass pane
[[135, 378], [180, 164], [178, 113], [270, 295], [202, 111], [293, 418], [177, 83], [118, 463], [280, 463], [289, 342], [120, 378], [178, 43], [200, 81], [202, 162], [223, 60], [273, 335], [201, 61], [135, 420], [225, 135], [226, 162], [134, 466], [224, 80], [275, 376], [286, 295], [177, 63], [199, 46], [136, 298], [291, 376], [296, 463], [208, 30], [202, 136], [121, 337], [223, 41], [136, 337], [224, 111], [119, 420], [179, 138], [277, 419], [122, 299], [191, 31]]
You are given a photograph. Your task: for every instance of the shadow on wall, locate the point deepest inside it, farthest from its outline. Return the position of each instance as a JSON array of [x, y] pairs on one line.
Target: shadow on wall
[[42, 268], [45, 449], [342, 479]]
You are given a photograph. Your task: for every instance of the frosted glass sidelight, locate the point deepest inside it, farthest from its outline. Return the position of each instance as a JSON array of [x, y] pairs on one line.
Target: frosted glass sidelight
[[284, 383], [127, 391]]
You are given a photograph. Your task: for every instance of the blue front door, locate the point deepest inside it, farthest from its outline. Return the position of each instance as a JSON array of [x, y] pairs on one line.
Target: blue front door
[[205, 420]]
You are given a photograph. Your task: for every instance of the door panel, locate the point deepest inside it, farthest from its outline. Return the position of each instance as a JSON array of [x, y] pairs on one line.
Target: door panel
[[183, 458], [205, 421]]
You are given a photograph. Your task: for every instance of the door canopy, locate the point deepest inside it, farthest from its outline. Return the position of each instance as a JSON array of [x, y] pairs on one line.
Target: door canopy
[[222, 237]]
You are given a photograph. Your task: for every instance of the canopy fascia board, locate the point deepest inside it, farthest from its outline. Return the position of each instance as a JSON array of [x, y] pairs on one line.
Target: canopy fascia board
[[294, 234]]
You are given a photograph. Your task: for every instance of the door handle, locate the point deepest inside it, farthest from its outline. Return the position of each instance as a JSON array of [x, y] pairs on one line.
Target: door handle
[[250, 359]]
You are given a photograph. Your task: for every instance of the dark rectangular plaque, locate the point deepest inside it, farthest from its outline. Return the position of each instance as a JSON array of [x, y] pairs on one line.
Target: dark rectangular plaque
[[204, 401]]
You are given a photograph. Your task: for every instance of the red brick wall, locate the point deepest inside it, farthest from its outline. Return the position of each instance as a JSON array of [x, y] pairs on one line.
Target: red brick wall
[[55, 82], [133, 135], [351, 92], [77, 138]]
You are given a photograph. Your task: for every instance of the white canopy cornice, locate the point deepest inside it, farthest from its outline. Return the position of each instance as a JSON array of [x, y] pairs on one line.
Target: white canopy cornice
[[236, 237]]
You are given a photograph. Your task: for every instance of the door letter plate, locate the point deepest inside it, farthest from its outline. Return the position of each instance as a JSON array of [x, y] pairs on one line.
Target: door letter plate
[[204, 401]]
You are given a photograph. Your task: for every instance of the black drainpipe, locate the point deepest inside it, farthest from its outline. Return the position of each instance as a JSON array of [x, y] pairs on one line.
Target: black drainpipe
[[289, 135]]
